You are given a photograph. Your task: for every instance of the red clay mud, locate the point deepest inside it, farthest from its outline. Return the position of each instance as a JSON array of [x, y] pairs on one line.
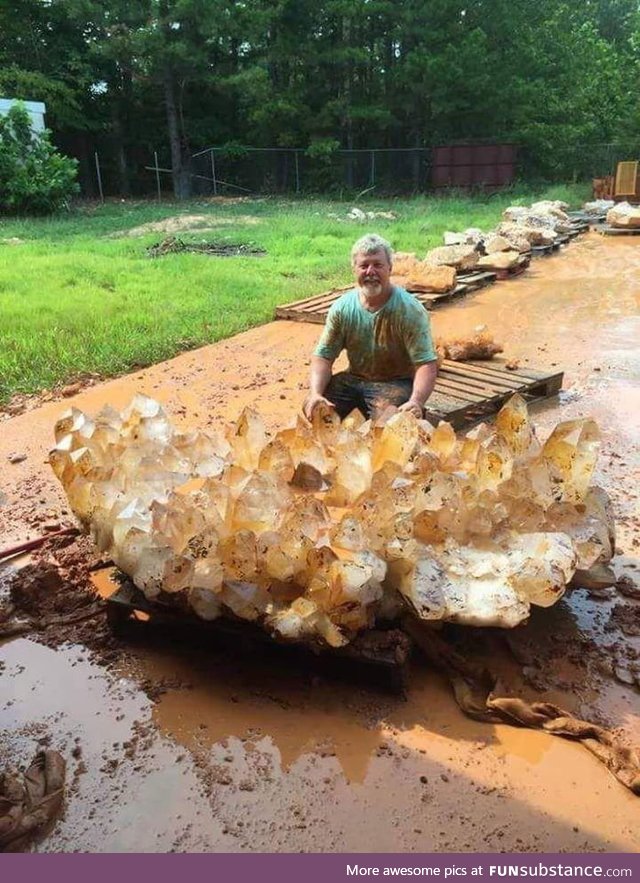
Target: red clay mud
[[191, 748]]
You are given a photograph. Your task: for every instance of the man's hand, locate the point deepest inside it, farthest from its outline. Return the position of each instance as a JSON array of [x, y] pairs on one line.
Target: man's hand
[[415, 407], [312, 401]]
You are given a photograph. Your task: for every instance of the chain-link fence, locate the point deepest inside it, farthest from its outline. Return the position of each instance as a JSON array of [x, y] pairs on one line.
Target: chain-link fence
[[581, 162], [229, 171], [217, 170]]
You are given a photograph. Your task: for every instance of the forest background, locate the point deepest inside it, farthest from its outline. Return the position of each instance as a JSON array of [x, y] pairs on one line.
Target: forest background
[[124, 79]]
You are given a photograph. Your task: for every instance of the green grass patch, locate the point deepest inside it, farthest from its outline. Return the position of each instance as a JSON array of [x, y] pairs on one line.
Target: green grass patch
[[77, 295]]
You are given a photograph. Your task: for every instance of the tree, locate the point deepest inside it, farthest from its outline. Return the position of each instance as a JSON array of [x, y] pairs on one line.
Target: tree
[[34, 177]]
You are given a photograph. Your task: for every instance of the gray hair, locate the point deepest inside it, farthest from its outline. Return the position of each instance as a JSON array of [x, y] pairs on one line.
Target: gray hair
[[369, 244]]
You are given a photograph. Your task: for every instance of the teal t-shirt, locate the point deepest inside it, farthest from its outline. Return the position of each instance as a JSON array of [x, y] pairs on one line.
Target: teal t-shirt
[[386, 345]]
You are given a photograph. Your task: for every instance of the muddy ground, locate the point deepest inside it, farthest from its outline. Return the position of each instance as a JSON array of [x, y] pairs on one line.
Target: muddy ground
[[176, 746]]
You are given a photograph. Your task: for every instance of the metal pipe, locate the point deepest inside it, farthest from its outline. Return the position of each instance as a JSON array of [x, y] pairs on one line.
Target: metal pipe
[[213, 174], [99, 176], [33, 544], [155, 161]]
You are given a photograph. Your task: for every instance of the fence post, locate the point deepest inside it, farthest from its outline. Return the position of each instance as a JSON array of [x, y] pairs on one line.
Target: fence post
[[213, 173], [158, 187], [99, 176], [297, 173], [373, 169]]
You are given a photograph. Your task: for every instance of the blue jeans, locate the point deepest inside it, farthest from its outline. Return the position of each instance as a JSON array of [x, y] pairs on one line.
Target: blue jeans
[[370, 397]]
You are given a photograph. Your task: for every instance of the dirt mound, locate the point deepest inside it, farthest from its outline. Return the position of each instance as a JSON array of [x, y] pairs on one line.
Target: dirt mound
[[54, 601], [36, 589], [186, 223], [626, 617]]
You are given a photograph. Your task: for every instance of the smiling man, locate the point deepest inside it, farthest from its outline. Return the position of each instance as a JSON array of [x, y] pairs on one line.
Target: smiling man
[[387, 336]]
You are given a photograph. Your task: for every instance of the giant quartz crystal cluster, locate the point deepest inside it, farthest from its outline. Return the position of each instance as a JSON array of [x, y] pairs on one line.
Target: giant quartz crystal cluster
[[318, 531]]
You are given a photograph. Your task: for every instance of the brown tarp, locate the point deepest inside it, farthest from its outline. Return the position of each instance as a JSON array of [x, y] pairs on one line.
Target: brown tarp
[[31, 800], [477, 692]]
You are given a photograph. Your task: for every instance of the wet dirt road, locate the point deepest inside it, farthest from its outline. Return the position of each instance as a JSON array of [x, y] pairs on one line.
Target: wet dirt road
[[177, 748]]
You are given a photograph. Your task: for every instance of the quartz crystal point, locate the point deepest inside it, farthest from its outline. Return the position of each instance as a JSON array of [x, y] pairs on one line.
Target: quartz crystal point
[[397, 440], [247, 439], [316, 533], [514, 428], [571, 452], [353, 473]]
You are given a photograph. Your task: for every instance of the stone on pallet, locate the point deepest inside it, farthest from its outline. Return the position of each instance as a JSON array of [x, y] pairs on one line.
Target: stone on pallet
[[624, 215], [462, 257], [494, 243], [499, 260]]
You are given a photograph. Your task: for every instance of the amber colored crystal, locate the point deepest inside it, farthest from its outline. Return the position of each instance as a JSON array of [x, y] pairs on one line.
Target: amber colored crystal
[[318, 532]]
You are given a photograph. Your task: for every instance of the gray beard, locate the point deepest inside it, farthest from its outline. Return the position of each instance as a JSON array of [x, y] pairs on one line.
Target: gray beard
[[371, 289]]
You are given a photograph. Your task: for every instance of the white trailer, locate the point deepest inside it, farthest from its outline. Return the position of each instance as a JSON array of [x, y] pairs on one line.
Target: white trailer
[[35, 109]]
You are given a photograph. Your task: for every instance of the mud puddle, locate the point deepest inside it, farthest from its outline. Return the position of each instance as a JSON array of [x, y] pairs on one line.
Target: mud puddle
[[119, 771], [233, 756]]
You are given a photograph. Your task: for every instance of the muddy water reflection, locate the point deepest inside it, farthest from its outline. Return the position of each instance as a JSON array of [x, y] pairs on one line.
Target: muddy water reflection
[[114, 784]]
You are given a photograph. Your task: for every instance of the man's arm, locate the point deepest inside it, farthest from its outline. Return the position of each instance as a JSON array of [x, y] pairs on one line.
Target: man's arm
[[423, 382], [318, 382]]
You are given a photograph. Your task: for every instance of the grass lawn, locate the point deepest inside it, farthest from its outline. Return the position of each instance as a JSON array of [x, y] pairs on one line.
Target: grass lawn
[[78, 297]]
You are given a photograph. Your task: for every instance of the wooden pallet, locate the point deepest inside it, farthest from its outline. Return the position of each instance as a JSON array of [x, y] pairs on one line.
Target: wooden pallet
[[467, 392], [476, 279], [377, 657], [314, 309], [538, 251], [585, 219], [579, 226], [607, 230], [510, 272]]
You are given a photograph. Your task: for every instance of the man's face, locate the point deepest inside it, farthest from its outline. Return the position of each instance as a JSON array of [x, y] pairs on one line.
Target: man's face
[[372, 272]]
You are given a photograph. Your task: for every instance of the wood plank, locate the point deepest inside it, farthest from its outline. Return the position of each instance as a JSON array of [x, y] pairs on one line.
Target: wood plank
[[460, 375], [480, 371], [455, 395], [486, 388], [470, 370], [318, 306], [607, 230], [474, 275], [459, 391], [442, 402], [527, 374], [479, 279], [541, 250], [488, 381], [332, 291], [463, 384], [295, 316]]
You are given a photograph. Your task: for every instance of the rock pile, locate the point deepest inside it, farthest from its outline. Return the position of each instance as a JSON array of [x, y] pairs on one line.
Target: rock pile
[[598, 206], [521, 228], [623, 215]]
